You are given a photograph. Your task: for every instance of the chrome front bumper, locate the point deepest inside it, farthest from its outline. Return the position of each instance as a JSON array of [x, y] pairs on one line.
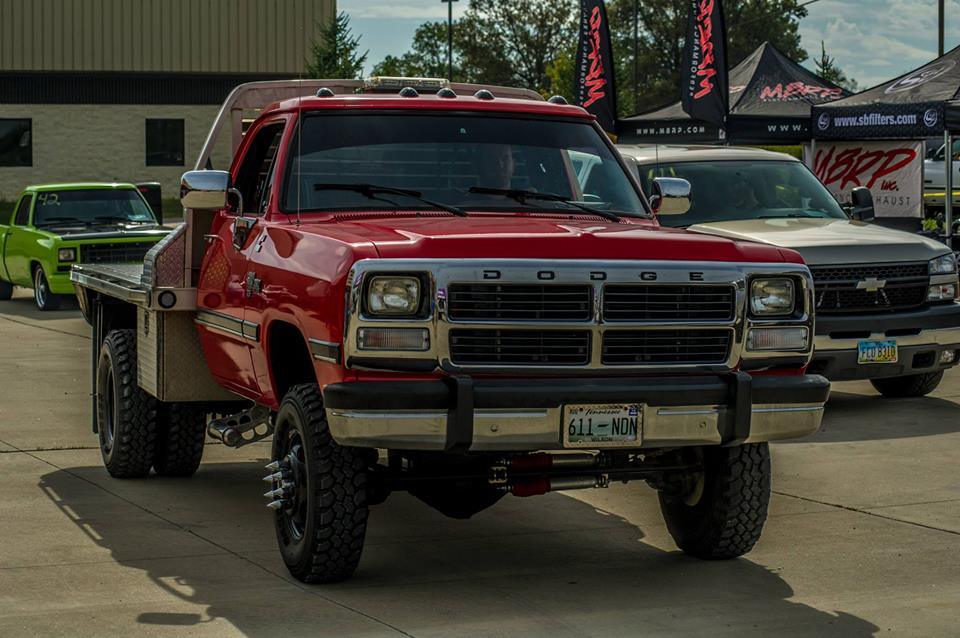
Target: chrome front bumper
[[736, 409]]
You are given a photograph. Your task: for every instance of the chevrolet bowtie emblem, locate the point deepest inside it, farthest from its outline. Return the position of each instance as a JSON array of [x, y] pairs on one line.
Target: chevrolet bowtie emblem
[[871, 284]]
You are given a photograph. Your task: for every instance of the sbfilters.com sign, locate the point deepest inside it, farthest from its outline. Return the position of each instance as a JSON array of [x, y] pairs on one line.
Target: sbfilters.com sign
[[893, 171]]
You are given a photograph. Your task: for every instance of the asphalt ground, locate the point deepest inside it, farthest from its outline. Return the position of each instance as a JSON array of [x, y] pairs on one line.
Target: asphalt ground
[[863, 536]]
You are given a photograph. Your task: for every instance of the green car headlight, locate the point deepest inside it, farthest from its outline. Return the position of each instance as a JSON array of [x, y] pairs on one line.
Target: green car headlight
[[67, 254]]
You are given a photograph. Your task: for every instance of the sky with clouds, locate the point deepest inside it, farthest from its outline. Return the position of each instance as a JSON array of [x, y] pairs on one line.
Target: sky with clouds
[[872, 40]]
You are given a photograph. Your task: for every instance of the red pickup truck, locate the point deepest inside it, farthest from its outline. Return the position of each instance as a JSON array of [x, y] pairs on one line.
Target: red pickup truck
[[407, 285]]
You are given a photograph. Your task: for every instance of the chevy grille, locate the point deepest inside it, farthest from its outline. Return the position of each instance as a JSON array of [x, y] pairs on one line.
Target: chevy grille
[[114, 253], [905, 287]]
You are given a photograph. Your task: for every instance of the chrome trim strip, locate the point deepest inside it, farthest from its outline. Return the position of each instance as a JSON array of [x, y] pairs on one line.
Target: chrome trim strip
[[325, 350], [808, 408], [686, 412], [229, 325]]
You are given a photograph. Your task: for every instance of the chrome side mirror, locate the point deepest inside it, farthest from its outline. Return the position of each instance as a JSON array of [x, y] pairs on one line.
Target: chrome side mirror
[[670, 196], [861, 204], [204, 190]]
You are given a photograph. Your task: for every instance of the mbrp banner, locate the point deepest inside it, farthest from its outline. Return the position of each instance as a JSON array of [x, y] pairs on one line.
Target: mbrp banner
[[893, 171], [704, 83], [595, 78], [886, 121]]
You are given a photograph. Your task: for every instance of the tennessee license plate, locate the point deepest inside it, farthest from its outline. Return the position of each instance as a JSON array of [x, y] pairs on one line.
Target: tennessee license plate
[[602, 425], [877, 352]]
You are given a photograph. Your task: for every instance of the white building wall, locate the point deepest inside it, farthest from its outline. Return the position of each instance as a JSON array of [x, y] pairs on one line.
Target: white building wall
[[104, 142]]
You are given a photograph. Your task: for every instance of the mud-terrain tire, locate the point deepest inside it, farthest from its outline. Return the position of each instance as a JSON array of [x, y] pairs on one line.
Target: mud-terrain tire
[[6, 290], [42, 296], [126, 415], [323, 522], [913, 385], [181, 431], [727, 518]]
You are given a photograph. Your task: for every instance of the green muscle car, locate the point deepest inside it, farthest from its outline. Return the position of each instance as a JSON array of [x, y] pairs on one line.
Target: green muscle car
[[55, 226]]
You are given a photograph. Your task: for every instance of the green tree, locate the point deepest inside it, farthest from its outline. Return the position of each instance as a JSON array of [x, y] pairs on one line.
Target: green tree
[[513, 42], [827, 69], [336, 51]]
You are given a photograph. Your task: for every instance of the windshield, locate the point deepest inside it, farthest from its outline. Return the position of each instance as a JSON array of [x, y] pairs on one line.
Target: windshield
[[732, 190], [472, 162], [90, 207]]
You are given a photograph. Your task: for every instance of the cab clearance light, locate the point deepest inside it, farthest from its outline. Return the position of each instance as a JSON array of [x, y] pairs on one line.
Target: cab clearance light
[[397, 339], [778, 339]]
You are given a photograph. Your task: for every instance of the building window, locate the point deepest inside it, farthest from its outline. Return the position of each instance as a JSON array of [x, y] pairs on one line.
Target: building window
[[164, 143], [16, 142]]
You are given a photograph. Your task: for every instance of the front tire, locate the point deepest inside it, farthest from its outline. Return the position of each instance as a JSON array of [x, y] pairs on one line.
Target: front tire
[[42, 296], [6, 290], [322, 519], [181, 431], [724, 515], [912, 385], [126, 415]]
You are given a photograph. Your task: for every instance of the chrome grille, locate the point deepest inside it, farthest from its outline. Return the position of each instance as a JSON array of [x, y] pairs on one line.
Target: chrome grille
[[114, 253], [905, 287], [519, 302], [643, 347], [520, 347], [660, 302]]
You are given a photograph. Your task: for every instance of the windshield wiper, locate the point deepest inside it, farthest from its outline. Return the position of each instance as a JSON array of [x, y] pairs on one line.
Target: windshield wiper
[[522, 195], [52, 221], [371, 191]]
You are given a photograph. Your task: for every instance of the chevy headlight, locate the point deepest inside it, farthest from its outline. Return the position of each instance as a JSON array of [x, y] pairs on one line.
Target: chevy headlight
[[943, 265], [393, 296], [770, 297], [67, 254]]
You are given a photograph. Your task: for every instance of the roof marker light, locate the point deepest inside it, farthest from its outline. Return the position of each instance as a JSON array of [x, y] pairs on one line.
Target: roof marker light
[[409, 91], [324, 91], [483, 94], [558, 99], [447, 93]]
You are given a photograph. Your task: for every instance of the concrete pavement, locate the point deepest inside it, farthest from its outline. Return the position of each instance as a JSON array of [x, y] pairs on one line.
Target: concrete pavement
[[863, 536]]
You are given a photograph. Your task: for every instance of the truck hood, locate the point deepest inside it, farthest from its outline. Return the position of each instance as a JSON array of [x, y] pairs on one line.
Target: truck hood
[[830, 241], [539, 237]]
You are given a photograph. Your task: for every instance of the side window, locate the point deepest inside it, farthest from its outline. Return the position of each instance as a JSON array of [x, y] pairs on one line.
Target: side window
[[22, 216], [255, 175], [164, 142], [16, 142]]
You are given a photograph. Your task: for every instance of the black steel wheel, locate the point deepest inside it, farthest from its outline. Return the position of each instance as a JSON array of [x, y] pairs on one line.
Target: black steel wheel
[[722, 513], [126, 415], [319, 494], [42, 296]]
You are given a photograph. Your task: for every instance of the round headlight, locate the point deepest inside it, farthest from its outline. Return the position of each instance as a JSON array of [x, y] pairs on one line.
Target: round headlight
[[393, 296], [772, 297], [943, 265]]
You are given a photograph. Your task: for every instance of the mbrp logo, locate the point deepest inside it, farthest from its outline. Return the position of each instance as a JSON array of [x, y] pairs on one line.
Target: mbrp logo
[[930, 117], [921, 76], [823, 122]]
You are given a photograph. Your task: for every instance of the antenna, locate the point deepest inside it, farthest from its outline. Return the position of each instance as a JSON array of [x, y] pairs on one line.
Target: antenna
[[299, 130]]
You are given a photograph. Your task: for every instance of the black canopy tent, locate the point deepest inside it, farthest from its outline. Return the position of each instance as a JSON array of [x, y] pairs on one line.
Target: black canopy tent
[[922, 103], [770, 101]]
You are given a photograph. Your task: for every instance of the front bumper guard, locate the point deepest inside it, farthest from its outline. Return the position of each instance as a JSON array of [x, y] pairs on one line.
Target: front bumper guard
[[465, 414]]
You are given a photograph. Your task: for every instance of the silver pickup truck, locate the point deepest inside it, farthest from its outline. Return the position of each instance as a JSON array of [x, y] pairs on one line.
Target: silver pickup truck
[[885, 299]]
